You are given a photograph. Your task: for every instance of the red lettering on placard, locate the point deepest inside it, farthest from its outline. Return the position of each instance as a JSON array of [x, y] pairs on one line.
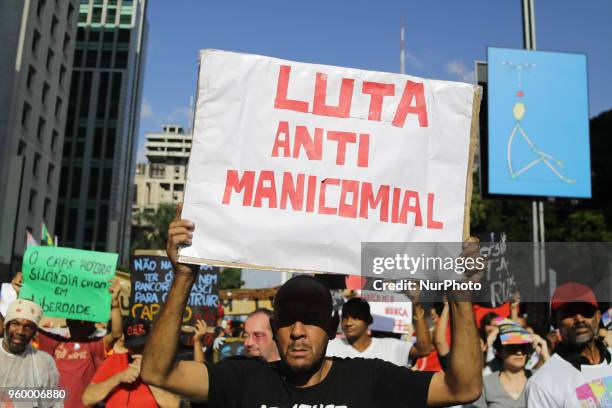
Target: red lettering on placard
[[344, 209], [363, 155], [293, 192], [430, 208], [265, 189], [310, 195], [313, 149], [319, 107], [245, 183], [407, 207], [412, 91], [382, 199], [377, 92], [281, 101], [395, 206], [342, 138], [284, 143], [322, 208]]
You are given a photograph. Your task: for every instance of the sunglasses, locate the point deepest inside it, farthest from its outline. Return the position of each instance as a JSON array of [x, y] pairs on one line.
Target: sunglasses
[[516, 348]]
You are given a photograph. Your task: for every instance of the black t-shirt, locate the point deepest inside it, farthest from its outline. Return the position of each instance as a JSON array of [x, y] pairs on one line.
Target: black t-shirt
[[351, 383]]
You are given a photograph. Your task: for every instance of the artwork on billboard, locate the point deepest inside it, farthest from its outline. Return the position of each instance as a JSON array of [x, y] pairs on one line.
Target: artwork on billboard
[[538, 129]]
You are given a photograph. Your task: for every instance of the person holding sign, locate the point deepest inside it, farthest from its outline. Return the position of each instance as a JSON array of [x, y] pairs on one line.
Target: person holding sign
[[79, 355], [303, 325], [21, 365]]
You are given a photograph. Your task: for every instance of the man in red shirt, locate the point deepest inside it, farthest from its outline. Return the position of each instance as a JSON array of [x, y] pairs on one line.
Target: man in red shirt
[[78, 357], [117, 382]]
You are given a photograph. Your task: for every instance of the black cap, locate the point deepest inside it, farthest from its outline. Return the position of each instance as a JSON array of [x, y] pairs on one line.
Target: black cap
[[357, 308], [135, 332], [305, 299]]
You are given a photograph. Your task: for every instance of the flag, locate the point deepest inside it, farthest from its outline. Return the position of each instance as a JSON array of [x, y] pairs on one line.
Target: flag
[[46, 239], [30, 240]]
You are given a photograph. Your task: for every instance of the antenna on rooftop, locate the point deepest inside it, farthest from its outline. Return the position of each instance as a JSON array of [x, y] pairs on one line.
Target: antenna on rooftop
[[402, 48]]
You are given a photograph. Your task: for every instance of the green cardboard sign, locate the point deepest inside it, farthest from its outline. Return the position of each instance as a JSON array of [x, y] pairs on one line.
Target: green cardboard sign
[[69, 283]]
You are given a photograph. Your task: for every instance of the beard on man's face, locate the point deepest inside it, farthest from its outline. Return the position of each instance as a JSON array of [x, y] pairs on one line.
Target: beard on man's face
[[578, 335]]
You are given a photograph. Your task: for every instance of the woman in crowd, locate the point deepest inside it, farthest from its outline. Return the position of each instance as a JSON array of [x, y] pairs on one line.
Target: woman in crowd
[[513, 347]]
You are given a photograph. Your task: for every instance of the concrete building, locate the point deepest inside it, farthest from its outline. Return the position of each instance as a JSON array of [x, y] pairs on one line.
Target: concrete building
[[37, 40], [162, 180], [99, 153]]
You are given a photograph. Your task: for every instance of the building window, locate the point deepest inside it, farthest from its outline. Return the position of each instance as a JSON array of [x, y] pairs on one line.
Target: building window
[[58, 107], [91, 58], [96, 16], [82, 17], [35, 42], [41, 128], [111, 15], [106, 58], [50, 173], [62, 75], [36, 164], [50, 56], [54, 23], [45, 93], [124, 35], [32, 201], [40, 8], [66, 43], [30, 78], [126, 19], [25, 114], [121, 59], [70, 12], [54, 137], [46, 208], [22, 147]]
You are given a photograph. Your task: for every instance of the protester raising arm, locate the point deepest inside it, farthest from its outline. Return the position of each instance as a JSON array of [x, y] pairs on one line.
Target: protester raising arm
[[422, 347], [462, 382], [198, 336], [116, 325], [96, 393], [159, 367]]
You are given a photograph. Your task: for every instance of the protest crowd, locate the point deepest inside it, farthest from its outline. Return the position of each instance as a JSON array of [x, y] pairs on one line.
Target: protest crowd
[[301, 352]]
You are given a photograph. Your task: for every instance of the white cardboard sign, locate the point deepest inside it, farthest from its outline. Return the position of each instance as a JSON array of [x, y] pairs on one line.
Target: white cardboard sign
[[293, 165]]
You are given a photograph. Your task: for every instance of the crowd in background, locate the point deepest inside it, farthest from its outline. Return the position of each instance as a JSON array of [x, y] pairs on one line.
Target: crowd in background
[[521, 367]]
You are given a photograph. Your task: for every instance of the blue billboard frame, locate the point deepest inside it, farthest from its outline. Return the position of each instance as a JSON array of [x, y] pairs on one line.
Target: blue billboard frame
[[537, 142]]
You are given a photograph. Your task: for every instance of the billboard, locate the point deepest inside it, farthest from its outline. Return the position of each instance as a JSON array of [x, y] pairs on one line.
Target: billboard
[[538, 124]]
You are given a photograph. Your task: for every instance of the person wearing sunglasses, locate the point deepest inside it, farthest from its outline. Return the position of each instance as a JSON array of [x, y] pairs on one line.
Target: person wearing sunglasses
[[580, 371], [506, 388]]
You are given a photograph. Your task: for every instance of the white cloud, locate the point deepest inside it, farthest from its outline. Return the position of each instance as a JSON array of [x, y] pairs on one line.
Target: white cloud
[[146, 110], [457, 68], [414, 61]]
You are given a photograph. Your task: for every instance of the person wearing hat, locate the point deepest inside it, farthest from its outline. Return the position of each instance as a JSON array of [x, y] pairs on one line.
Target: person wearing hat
[[580, 370], [117, 382], [302, 325], [512, 347], [21, 365], [356, 318]]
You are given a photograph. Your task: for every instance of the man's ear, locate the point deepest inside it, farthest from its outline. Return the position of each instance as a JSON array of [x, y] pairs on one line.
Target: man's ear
[[273, 326], [333, 326]]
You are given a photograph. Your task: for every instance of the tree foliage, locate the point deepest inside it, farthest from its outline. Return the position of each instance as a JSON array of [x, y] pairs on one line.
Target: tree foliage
[[150, 229]]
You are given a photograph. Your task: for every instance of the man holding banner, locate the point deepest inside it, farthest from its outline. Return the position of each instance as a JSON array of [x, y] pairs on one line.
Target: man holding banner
[[303, 324]]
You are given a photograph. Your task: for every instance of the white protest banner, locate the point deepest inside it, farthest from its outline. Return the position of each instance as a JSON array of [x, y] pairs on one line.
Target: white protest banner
[[293, 165], [391, 312]]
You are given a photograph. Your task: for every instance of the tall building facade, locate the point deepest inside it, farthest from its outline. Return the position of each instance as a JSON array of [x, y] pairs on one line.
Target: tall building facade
[[37, 40], [99, 152], [162, 179]]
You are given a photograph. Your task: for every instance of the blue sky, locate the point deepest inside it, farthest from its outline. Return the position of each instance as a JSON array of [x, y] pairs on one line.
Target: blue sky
[[443, 39]]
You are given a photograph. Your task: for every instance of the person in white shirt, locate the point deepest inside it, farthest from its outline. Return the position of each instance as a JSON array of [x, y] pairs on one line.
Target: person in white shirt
[[21, 365], [9, 292], [580, 371], [358, 342]]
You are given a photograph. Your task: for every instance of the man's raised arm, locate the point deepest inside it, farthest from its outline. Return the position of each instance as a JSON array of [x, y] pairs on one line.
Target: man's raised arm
[[159, 367], [462, 382]]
